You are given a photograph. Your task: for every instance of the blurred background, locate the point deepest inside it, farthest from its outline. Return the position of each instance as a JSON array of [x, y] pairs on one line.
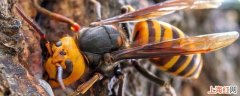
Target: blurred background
[[220, 67]]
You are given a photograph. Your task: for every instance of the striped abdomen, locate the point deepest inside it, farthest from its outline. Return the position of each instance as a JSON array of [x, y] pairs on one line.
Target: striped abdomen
[[154, 31]]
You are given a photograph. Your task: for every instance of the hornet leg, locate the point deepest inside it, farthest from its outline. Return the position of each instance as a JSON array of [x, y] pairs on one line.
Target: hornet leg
[[73, 25], [85, 86], [120, 80], [120, 76], [148, 75], [121, 83]]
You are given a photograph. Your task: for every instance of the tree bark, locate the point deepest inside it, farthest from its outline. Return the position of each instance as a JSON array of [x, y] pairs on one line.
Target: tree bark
[[15, 78]]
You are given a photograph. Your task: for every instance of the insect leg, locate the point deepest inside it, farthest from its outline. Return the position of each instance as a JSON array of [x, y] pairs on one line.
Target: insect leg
[[73, 25], [117, 80], [85, 86], [121, 83], [120, 76], [148, 75], [59, 76], [98, 8]]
